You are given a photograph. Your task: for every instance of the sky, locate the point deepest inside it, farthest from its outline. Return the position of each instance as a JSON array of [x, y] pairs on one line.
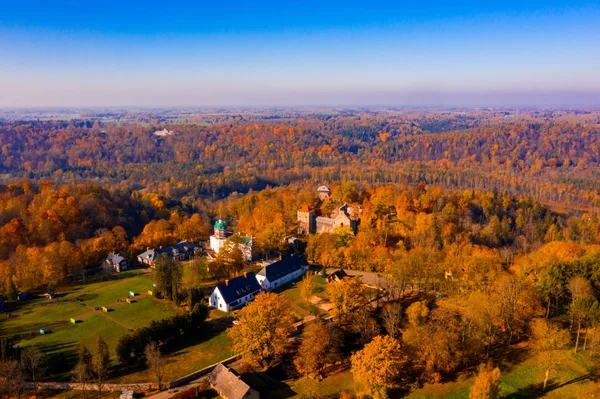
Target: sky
[[299, 53]]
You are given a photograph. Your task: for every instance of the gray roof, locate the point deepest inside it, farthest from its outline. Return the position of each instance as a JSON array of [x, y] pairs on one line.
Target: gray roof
[[114, 258], [282, 268], [173, 250], [227, 384], [148, 255]]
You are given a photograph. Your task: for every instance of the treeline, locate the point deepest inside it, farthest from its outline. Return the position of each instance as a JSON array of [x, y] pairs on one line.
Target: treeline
[[551, 157]]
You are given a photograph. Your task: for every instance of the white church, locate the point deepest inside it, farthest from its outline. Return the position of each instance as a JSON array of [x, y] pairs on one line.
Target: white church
[[222, 237]]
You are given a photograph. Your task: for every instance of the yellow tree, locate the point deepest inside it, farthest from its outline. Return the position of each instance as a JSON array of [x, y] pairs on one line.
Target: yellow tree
[[307, 287], [346, 296], [487, 383], [318, 348], [261, 332], [417, 313], [548, 340], [376, 368]]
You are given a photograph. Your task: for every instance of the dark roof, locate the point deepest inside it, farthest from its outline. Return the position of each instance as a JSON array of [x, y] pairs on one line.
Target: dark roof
[[180, 247], [282, 268], [339, 274], [239, 287], [114, 259], [173, 250], [227, 384]]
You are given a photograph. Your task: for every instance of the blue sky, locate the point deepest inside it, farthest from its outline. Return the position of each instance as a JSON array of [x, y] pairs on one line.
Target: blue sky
[[128, 53]]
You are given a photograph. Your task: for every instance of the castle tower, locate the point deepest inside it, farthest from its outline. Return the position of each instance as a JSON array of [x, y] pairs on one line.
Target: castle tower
[[306, 220], [323, 193]]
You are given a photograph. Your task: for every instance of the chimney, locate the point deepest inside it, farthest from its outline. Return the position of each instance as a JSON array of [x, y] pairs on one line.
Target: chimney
[[226, 282], [147, 248]]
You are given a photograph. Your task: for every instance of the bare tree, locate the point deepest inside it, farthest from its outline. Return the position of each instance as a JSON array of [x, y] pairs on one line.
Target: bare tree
[[365, 325], [392, 316], [11, 379], [31, 361], [83, 370], [155, 361], [100, 362]]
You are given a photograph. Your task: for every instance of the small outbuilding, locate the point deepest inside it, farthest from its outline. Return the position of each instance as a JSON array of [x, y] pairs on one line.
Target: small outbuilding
[[229, 385], [336, 276], [51, 294], [115, 263]]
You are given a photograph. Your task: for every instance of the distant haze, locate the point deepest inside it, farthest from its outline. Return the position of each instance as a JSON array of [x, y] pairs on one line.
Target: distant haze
[[309, 53]]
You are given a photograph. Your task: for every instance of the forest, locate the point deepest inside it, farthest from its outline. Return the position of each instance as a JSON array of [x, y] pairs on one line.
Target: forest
[[550, 156]]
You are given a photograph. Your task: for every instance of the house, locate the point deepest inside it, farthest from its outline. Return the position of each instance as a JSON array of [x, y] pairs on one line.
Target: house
[[336, 276], [229, 385], [181, 251], [115, 263], [234, 293], [22, 296], [220, 238], [281, 272]]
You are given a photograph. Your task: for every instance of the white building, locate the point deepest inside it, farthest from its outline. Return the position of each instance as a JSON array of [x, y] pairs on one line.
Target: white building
[[220, 238], [282, 272], [234, 293], [217, 240]]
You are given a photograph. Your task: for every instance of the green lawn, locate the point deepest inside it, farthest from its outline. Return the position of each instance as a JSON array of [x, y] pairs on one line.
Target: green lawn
[[143, 311], [523, 381], [54, 316], [68, 337], [109, 292], [189, 359], [331, 385], [46, 314]]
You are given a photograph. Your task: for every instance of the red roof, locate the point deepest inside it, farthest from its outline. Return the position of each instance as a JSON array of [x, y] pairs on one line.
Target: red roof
[[305, 208]]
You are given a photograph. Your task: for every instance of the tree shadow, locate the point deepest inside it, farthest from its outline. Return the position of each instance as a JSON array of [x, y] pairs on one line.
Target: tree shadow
[[529, 392], [535, 390]]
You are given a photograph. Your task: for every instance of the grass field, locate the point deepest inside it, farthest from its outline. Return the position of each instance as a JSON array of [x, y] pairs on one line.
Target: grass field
[[524, 380], [66, 338], [109, 292], [143, 311], [78, 302], [292, 292], [188, 359]]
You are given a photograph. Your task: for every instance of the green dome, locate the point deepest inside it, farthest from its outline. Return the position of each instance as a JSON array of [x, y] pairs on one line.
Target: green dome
[[220, 224]]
